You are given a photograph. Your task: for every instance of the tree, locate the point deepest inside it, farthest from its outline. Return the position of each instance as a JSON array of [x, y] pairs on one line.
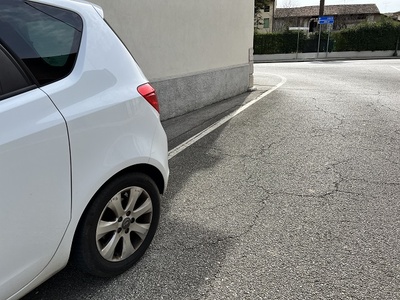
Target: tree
[[285, 20], [258, 6], [289, 4]]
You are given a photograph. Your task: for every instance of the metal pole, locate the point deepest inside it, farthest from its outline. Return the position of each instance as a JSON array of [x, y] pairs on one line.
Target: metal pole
[[327, 43], [319, 40], [298, 39]]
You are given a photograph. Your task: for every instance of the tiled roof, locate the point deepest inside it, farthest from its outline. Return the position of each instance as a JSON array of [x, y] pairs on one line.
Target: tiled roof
[[394, 16], [330, 10]]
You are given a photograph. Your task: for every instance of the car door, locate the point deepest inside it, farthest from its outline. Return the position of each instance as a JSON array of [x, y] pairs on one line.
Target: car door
[[35, 189]]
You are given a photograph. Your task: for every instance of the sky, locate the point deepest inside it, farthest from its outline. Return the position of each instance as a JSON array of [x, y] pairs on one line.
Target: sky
[[383, 5]]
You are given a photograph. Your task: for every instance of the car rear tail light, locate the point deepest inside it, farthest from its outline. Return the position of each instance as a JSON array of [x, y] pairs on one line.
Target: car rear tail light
[[149, 93]]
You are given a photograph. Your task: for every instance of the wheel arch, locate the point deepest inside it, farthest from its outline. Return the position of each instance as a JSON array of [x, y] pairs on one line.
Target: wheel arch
[[146, 169]]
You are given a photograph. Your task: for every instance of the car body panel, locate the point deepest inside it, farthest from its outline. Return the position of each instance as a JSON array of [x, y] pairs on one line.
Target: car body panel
[[96, 92], [104, 126], [40, 142]]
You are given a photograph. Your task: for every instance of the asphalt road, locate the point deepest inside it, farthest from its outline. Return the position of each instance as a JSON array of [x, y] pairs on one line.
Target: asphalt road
[[296, 197]]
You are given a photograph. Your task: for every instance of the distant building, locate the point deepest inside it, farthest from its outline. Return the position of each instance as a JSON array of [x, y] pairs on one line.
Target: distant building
[[345, 16], [395, 16], [264, 22]]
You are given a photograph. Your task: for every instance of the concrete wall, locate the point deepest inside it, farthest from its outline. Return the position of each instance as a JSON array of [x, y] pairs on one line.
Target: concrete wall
[[194, 52]]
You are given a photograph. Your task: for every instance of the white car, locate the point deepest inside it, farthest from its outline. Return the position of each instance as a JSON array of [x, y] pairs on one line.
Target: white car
[[83, 155]]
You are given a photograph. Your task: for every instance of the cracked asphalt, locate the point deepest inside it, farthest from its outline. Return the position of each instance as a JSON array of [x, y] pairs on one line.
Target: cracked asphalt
[[297, 197]]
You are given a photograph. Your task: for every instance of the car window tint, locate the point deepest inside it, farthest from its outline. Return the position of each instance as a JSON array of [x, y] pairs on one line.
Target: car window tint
[[12, 79], [45, 38]]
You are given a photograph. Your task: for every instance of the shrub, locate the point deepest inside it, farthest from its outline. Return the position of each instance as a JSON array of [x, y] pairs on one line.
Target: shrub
[[272, 43], [368, 37], [382, 35]]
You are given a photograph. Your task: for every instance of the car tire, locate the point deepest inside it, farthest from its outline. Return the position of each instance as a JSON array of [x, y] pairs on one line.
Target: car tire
[[118, 226]]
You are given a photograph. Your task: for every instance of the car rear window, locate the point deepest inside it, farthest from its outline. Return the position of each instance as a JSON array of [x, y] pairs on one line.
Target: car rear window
[[45, 38]]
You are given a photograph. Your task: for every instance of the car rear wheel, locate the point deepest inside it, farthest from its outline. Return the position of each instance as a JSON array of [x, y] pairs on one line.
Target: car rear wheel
[[118, 226]]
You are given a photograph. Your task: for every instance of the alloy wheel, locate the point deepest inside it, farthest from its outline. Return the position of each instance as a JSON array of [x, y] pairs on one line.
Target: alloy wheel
[[124, 224]]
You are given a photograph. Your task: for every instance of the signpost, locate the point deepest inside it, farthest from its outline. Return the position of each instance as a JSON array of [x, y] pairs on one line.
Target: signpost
[[329, 20], [325, 20], [298, 36]]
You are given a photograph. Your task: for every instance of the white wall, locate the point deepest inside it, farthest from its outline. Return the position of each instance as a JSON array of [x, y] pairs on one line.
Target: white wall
[[179, 38]]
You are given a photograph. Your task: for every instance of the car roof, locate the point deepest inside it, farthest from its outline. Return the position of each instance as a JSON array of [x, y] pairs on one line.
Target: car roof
[[75, 5]]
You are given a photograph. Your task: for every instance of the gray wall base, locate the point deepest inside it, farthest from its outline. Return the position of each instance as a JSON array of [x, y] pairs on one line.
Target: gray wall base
[[178, 96]]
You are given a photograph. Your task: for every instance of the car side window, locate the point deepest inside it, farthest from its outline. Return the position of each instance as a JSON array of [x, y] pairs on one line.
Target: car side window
[[45, 38], [12, 78]]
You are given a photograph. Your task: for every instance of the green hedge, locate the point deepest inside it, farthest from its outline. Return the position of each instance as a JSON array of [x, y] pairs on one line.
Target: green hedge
[[311, 43], [364, 37], [368, 37], [272, 43], [286, 42]]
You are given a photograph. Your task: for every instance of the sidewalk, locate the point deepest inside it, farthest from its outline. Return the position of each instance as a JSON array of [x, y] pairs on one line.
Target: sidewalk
[[181, 128], [348, 55]]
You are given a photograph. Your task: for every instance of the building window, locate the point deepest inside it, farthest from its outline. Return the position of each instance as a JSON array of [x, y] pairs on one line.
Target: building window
[[266, 23], [266, 8]]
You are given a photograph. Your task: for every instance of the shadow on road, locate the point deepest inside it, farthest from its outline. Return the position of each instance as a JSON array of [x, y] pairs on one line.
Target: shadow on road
[[184, 254], [176, 270]]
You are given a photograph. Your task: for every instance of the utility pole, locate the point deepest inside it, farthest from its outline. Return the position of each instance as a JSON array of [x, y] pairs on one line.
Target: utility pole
[[321, 7], [321, 13]]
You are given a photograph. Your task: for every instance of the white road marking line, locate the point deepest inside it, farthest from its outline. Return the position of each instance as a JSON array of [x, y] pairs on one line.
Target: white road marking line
[[398, 69], [201, 134]]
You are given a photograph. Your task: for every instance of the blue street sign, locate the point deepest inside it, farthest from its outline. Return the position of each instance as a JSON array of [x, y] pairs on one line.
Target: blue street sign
[[325, 20]]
